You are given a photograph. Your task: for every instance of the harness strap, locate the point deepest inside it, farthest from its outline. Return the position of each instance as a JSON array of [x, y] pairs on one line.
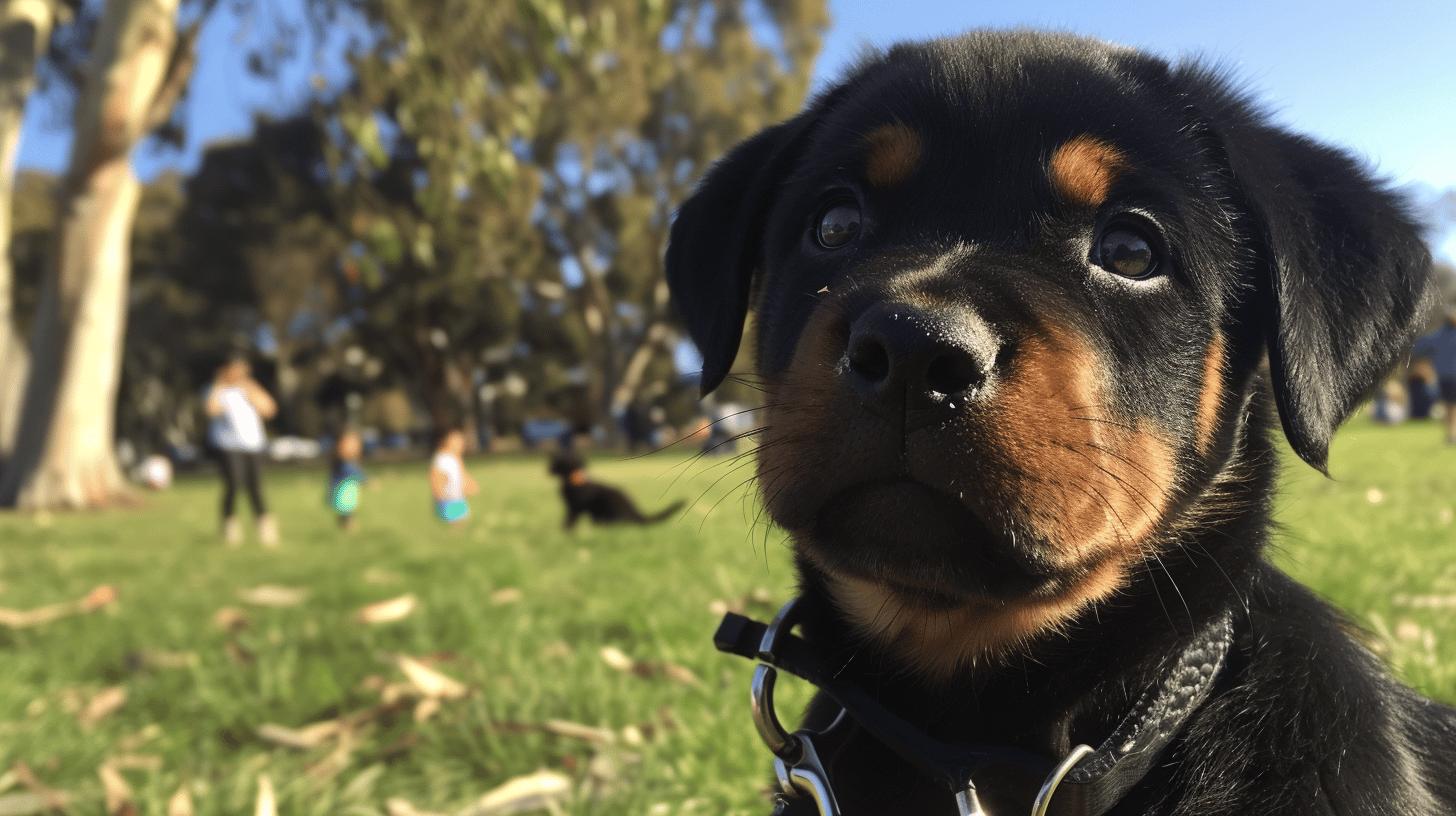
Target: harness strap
[[1097, 783]]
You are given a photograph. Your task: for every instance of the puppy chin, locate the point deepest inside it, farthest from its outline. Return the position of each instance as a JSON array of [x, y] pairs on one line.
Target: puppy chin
[[926, 546], [939, 635]]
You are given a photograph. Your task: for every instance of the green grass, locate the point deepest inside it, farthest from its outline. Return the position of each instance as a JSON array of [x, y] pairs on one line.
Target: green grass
[[1391, 563]]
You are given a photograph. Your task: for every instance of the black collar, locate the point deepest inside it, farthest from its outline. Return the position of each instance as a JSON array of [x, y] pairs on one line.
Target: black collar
[[1094, 785]]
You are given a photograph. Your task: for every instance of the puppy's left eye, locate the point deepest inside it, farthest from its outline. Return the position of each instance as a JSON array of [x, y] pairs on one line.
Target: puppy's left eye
[[838, 225], [1127, 251]]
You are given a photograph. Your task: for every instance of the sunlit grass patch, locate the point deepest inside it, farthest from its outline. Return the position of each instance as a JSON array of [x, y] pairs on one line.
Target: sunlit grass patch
[[428, 665]]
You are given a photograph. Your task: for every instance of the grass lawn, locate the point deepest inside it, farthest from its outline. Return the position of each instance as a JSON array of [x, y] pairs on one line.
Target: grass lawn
[[519, 612]]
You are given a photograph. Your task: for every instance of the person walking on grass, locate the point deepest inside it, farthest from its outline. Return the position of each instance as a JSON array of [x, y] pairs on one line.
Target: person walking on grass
[[449, 483], [237, 406], [346, 477], [1440, 348]]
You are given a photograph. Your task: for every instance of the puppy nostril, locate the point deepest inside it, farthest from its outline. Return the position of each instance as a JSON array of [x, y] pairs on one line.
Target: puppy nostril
[[869, 359], [951, 373]]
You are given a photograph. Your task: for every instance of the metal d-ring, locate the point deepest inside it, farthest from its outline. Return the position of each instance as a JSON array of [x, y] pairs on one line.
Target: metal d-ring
[[765, 717], [797, 764], [1054, 780], [761, 700], [782, 623]]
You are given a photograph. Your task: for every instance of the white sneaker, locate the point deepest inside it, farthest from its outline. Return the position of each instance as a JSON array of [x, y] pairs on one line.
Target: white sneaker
[[232, 532], [268, 531]]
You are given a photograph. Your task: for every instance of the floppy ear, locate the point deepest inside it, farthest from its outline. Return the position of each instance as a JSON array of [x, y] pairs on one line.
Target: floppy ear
[[1343, 277], [716, 244]]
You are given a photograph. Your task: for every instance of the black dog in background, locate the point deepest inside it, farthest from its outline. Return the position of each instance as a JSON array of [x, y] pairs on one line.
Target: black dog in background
[[1030, 309], [603, 504]]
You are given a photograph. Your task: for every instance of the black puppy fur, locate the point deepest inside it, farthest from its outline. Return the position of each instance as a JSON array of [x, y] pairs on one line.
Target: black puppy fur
[[603, 504], [1292, 280]]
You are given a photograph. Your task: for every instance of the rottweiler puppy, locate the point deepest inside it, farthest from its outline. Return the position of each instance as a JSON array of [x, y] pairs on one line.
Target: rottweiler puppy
[[601, 503], [1030, 309]]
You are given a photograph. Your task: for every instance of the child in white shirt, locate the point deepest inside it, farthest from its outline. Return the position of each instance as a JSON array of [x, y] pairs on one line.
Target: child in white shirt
[[449, 483]]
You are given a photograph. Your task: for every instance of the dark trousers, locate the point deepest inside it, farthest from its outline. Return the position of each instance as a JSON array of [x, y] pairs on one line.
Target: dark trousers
[[241, 469]]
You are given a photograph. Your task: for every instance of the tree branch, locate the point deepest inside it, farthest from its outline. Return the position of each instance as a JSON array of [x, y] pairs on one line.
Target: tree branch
[[180, 66]]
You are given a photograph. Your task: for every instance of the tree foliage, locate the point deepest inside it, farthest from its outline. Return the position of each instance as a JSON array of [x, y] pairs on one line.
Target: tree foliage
[[514, 167]]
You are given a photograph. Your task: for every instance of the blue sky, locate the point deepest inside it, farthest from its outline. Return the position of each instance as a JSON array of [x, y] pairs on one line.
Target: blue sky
[[1379, 78]]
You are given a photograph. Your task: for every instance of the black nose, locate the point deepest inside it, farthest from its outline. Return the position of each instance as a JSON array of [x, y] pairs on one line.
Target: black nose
[[904, 357]]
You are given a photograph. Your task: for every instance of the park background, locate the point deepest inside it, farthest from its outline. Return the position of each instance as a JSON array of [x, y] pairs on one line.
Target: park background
[[419, 212]]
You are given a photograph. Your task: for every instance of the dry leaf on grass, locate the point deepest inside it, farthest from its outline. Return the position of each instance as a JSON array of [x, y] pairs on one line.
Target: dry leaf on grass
[[132, 742], [136, 762], [301, 739], [394, 609], [267, 803], [428, 682], [541, 790], [607, 771], [617, 659], [585, 733], [117, 793], [361, 787], [230, 619], [402, 807], [180, 804], [426, 708], [24, 804], [54, 799], [273, 595], [335, 761], [96, 599], [672, 671], [506, 595], [103, 705]]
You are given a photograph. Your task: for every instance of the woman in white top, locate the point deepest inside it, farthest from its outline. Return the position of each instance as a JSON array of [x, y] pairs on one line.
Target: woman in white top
[[237, 407]]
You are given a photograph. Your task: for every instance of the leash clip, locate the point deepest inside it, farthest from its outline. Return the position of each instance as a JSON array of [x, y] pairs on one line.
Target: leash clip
[[797, 764]]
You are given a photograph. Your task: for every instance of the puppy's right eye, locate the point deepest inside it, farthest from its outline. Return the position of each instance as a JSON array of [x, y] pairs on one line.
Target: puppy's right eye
[[838, 225]]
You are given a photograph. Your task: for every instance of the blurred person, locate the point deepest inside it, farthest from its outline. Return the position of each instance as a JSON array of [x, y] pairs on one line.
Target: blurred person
[[1440, 348], [1420, 384], [1390, 403], [449, 483], [237, 407], [346, 477], [155, 472]]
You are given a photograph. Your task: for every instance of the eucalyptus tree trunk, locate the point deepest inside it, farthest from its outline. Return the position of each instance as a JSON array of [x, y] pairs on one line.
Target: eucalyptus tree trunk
[[656, 337], [25, 29], [65, 453]]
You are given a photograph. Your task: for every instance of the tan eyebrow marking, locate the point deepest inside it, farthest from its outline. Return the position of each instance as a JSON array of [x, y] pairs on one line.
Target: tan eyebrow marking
[[894, 152], [1082, 170]]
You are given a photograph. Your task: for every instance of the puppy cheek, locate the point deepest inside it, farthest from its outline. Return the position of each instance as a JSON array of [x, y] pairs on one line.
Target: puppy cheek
[[795, 426], [1091, 484], [1210, 397]]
